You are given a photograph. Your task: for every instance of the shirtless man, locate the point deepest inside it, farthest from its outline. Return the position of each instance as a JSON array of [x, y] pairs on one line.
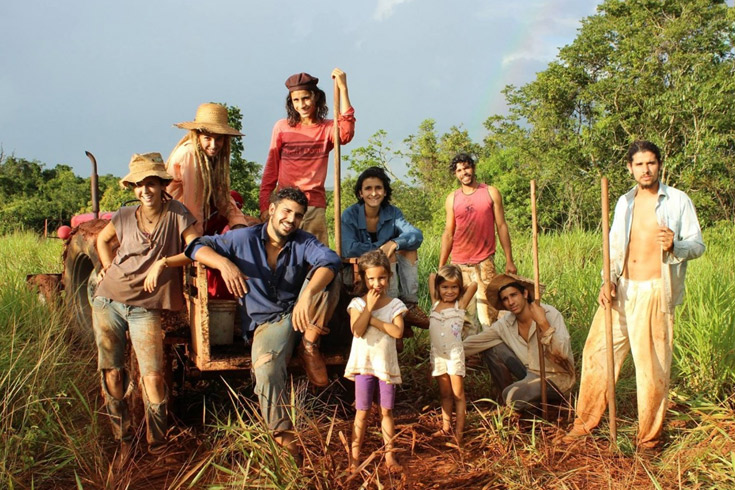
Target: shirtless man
[[654, 233], [474, 213]]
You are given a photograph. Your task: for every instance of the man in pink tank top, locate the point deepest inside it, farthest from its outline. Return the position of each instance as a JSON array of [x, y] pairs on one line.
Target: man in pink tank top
[[474, 213]]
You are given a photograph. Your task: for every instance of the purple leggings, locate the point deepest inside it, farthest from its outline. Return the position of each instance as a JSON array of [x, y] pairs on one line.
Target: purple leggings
[[365, 387]]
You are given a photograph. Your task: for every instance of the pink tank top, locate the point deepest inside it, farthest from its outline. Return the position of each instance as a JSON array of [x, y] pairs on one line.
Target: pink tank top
[[474, 230]]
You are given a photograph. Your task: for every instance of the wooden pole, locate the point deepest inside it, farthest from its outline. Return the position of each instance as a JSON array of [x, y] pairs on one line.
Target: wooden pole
[[607, 286], [537, 296], [337, 176]]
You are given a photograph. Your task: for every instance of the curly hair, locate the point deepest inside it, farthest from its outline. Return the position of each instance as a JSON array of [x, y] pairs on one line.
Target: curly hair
[[320, 101], [461, 158], [292, 194], [213, 174], [373, 258], [375, 173]]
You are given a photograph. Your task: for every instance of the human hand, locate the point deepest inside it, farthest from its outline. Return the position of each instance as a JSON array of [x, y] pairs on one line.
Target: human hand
[[538, 314], [234, 279], [300, 313], [151, 279], [389, 248], [341, 78], [372, 299], [603, 299], [665, 237], [510, 268]]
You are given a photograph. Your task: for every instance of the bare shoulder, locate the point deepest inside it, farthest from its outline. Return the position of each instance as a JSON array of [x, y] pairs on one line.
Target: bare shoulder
[[494, 192]]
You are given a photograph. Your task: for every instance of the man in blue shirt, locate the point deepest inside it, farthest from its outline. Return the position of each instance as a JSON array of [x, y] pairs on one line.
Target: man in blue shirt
[[283, 273], [654, 233]]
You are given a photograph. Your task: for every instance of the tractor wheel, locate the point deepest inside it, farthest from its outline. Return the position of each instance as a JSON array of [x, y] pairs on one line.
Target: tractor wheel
[[80, 262]]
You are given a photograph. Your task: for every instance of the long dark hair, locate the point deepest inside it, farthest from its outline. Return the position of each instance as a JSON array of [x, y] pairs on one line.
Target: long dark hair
[[320, 101]]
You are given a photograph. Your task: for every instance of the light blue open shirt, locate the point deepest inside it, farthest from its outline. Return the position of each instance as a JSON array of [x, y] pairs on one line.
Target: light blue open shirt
[[674, 210]]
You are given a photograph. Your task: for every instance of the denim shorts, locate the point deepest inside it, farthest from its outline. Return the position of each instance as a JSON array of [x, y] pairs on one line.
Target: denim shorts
[[112, 319]]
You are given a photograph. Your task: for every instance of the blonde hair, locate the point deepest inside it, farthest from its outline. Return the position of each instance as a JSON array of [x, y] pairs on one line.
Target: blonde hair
[[213, 174], [449, 272]]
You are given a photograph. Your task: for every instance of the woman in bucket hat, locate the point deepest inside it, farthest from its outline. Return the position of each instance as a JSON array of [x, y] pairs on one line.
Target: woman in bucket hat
[[300, 145], [136, 282], [200, 166]]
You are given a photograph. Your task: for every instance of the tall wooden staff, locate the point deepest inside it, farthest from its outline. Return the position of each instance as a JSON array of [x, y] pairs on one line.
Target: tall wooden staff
[[537, 295], [607, 286], [337, 176]]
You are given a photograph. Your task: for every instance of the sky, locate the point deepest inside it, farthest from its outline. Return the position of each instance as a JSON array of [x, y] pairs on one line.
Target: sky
[[113, 77]]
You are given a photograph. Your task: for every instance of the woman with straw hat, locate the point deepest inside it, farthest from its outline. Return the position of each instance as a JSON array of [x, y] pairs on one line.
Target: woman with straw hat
[[200, 166], [136, 282]]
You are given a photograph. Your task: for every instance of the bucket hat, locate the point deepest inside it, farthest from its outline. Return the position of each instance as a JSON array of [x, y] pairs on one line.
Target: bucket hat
[[211, 118], [500, 281], [146, 165]]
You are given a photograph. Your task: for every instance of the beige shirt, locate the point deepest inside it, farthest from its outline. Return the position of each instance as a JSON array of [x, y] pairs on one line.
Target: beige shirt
[[559, 360], [124, 280], [182, 165]]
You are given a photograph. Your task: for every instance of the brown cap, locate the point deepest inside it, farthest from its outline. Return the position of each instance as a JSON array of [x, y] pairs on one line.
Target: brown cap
[[301, 81], [145, 165], [211, 118], [500, 281]]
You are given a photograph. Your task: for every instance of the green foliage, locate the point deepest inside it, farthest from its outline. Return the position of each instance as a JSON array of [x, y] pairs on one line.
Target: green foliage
[[243, 173]]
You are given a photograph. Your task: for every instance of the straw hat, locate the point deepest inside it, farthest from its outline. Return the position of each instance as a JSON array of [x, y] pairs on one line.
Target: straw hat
[[211, 118], [502, 280], [146, 165]]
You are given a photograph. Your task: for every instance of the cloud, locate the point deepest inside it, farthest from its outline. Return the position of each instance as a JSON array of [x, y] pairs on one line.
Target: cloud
[[385, 8]]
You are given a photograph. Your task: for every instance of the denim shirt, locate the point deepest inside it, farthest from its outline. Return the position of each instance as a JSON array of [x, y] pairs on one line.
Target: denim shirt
[[271, 293], [391, 226], [674, 210]]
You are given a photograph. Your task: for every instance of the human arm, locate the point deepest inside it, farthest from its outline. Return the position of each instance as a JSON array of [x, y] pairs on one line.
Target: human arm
[[448, 235], [234, 279], [104, 247], [320, 279], [685, 243], [394, 328], [468, 294], [344, 96], [178, 260], [405, 235], [474, 344], [346, 119], [502, 227], [352, 244], [432, 293], [554, 336], [269, 180]]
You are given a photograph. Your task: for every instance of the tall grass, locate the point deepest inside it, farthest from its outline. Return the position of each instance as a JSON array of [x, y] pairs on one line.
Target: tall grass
[[51, 435]]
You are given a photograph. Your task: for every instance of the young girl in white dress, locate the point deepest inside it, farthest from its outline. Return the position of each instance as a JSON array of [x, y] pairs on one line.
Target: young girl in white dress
[[376, 320], [447, 354]]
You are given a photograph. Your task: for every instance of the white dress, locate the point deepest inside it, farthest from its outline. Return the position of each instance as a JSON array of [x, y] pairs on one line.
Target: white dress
[[447, 352], [375, 352]]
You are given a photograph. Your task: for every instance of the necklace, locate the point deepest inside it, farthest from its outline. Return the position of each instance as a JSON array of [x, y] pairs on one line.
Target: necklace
[[152, 222]]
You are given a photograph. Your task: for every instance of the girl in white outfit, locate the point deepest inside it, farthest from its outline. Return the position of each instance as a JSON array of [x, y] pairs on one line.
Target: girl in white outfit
[[447, 354], [376, 320]]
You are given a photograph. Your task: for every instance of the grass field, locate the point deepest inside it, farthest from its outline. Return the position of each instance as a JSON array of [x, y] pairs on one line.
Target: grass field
[[53, 436]]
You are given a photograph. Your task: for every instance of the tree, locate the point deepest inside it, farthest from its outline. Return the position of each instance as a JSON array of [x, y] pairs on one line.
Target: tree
[[660, 70], [243, 173]]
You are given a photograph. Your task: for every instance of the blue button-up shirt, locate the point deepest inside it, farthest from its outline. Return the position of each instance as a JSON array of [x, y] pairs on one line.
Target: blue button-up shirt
[[271, 293], [674, 210], [391, 226]]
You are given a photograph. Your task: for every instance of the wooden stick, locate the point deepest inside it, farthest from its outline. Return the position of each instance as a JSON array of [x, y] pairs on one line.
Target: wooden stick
[[607, 286], [337, 176], [537, 296]]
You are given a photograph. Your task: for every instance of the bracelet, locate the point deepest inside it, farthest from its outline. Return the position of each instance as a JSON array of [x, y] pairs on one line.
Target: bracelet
[[165, 262]]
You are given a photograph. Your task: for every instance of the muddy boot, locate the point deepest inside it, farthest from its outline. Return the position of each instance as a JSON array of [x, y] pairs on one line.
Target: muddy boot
[[314, 364], [156, 422], [118, 410]]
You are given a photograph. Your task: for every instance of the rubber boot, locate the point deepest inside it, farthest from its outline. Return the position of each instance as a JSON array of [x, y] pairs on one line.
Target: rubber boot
[[118, 409], [156, 421]]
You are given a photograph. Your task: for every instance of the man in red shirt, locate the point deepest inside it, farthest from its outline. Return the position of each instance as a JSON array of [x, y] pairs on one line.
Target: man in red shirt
[[474, 212], [300, 146]]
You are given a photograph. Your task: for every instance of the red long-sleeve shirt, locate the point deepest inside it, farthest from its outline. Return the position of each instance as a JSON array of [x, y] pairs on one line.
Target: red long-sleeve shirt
[[299, 157]]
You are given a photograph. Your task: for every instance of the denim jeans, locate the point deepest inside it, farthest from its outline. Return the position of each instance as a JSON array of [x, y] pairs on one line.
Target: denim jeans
[[405, 274], [111, 319]]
